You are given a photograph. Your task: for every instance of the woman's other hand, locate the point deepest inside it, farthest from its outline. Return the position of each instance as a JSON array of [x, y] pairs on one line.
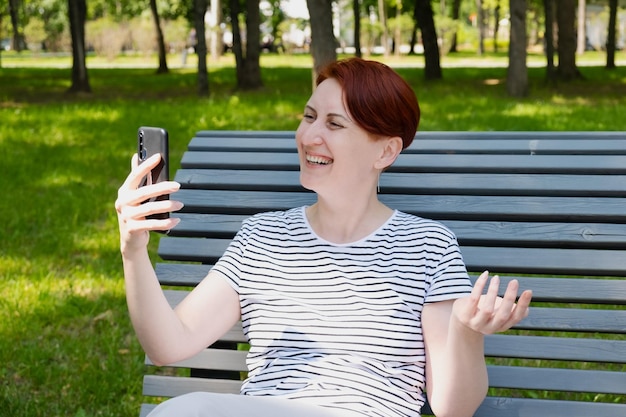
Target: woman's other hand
[[489, 313]]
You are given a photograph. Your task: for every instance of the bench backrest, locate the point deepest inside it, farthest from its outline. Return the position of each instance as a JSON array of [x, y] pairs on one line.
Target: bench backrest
[[546, 208]]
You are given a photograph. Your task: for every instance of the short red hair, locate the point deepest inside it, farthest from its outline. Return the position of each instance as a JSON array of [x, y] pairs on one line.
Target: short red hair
[[377, 97]]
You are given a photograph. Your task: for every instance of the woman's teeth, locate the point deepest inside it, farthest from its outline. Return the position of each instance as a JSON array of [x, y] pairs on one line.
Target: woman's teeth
[[318, 160]]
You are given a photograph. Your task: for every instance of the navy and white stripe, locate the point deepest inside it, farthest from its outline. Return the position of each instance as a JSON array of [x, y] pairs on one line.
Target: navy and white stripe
[[339, 325]]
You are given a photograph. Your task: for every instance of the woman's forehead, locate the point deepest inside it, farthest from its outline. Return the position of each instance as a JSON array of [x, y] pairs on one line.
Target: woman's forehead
[[328, 97]]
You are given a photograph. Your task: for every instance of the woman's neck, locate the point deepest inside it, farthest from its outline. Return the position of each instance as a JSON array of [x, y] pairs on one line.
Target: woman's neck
[[347, 223]]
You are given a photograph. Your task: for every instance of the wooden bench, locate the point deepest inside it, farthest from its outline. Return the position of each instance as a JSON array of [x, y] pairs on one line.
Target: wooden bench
[[547, 208]]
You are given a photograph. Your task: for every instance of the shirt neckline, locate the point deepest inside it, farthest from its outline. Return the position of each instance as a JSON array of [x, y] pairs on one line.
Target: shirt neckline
[[354, 243]]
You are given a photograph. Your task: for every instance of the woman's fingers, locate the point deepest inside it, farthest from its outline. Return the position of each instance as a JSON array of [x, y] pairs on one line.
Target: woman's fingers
[[140, 171], [486, 312]]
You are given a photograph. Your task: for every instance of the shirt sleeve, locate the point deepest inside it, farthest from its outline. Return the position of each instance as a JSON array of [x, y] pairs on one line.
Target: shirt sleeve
[[450, 279]]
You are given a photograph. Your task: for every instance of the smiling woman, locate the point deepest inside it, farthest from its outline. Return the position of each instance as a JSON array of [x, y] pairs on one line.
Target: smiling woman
[[350, 307]]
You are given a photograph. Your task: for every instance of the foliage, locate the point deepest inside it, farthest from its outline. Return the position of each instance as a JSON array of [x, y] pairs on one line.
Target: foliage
[[371, 31], [66, 345], [35, 33], [106, 37], [447, 28], [401, 28]]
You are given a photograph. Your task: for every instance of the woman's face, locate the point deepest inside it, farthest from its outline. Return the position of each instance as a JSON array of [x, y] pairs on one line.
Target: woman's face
[[336, 155]]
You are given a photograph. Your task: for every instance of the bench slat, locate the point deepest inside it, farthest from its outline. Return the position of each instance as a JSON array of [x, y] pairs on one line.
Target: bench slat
[[555, 290], [170, 386], [539, 234], [420, 163], [528, 407], [551, 379], [518, 377], [429, 184], [450, 207], [555, 348], [496, 259], [542, 318], [436, 142], [215, 359]]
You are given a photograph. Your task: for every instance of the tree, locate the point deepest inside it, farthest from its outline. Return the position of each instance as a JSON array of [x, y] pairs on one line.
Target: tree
[[248, 67], [610, 42], [382, 16], [480, 22], [323, 42], [423, 15], [160, 41], [548, 6], [77, 10], [517, 75], [356, 9], [566, 23], [17, 41], [456, 8], [496, 25], [199, 9]]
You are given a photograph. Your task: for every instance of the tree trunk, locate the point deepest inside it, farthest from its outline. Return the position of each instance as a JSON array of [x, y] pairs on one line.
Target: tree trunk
[[566, 22], [549, 40], [160, 40], [323, 42], [356, 8], [496, 26], [247, 56], [424, 17], [382, 16], [199, 9], [517, 75], [17, 40], [413, 38], [480, 23], [249, 76], [610, 42], [456, 7], [77, 11]]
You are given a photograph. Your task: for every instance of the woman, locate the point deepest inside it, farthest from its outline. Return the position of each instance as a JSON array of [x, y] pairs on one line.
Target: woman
[[351, 307]]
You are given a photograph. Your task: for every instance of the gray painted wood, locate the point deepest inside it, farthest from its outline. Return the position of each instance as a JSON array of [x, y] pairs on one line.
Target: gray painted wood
[[545, 208]]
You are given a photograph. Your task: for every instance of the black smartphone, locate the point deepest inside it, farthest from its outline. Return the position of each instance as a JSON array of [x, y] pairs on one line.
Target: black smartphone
[[150, 141]]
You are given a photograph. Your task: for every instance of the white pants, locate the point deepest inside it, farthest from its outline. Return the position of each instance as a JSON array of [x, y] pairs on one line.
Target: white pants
[[208, 404]]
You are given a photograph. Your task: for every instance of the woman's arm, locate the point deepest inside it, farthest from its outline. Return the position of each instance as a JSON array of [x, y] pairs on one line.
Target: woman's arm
[[456, 374], [209, 311]]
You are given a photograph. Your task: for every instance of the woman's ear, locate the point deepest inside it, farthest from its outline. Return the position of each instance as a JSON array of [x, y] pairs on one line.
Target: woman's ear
[[390, 151]]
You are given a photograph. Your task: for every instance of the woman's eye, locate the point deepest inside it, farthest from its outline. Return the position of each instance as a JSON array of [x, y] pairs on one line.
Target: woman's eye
[[309, 117]]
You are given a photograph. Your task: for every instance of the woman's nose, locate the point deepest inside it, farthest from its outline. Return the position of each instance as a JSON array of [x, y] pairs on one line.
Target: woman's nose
[[309, 134]]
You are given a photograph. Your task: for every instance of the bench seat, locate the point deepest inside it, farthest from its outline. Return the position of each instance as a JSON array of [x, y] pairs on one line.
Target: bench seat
[[546, 208]]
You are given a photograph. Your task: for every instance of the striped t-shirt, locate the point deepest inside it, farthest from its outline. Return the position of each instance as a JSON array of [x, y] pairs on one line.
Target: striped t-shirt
[[339, 324]]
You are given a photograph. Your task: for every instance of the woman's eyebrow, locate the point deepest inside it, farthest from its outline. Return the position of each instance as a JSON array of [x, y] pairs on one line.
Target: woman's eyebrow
[[342, 116]]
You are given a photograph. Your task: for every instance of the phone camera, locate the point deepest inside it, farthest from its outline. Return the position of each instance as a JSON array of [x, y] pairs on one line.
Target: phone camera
[[142, 154]]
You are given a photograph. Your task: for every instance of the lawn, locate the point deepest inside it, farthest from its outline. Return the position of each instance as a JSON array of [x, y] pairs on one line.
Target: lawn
[[66, 344]]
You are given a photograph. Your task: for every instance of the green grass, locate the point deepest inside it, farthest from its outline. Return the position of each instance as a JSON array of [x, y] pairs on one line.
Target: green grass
[[66, 344]]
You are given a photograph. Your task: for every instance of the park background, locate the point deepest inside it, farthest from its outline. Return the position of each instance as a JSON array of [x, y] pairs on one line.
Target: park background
[[66, 344]]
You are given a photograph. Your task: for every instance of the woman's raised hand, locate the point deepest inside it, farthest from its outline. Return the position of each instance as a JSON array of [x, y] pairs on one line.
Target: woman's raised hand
[[133, 207]]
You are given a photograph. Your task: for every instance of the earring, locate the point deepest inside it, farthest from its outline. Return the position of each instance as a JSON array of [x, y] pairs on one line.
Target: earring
[[378, 185]]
